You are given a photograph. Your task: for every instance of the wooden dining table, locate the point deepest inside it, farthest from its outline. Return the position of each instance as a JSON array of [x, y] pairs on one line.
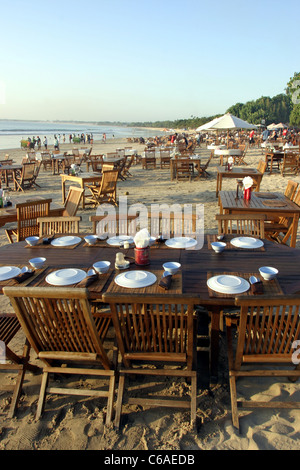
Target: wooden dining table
[[276, 205], [83, 179], [9, 174], [237, 173], [197, 265]]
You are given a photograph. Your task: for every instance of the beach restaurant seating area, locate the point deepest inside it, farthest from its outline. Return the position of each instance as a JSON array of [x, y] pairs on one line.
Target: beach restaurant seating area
[[122, 301]]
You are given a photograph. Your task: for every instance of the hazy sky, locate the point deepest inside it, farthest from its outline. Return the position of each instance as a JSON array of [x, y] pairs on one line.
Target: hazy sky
[[137, 60]]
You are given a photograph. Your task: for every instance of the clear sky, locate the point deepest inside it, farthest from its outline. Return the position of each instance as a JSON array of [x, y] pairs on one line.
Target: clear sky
[[137, 60]]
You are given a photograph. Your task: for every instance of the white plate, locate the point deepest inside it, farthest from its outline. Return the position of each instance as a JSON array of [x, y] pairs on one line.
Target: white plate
[[65, 277], [247, 242], [65, 241], [181, 242], [228, 284], [135, 279], [8, 272], [120, 239]]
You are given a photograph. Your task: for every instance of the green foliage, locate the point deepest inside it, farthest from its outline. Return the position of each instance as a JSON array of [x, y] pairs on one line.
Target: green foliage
[[276, 109], [279, 108], [293, 91]]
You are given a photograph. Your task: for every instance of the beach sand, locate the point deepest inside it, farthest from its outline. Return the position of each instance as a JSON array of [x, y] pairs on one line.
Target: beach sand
[[76, 423]]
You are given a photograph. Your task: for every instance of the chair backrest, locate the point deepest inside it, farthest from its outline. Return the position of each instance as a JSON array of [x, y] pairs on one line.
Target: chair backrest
[[296, 198], [73, 200], [291, 189], [261, 167], [110, 226], [58, 324], [112, 155], [108, 182], [37, 169], [27, 215], [267, 329], [51, 225], [169, 224], [27, 172], [242, 224], [152, 328], [107, 167]]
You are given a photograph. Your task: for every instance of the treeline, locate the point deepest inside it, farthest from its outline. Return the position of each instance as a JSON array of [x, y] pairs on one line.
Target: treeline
[[265, 110]]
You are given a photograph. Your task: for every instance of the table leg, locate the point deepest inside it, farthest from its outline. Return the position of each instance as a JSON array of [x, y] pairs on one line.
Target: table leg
[[83, 195], [63, 185]]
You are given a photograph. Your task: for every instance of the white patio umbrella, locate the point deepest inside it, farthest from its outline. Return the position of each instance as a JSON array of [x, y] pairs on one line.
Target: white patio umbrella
[[227, 122]]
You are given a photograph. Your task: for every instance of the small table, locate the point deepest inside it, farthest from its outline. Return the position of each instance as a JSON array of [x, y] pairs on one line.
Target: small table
[[237, 173], [229, 204], [6, 170], [82, 180], [195, 161]]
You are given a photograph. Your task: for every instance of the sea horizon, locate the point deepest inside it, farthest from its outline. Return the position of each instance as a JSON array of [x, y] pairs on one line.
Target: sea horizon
[[12, 131]]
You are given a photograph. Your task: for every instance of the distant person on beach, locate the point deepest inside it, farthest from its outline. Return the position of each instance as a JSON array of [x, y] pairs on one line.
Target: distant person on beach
[[265, 134], [45, 143], [251, 137], [70, 138], [56, 143], [104, 138]]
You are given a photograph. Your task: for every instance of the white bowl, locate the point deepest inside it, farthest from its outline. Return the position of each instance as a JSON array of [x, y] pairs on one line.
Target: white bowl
[[32, 240], [101, 266], [37, 263], [91, 239], [218, 246], [267, 272], [171, 267]]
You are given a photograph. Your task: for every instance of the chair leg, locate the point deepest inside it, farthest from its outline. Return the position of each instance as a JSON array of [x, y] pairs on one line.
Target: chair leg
[[194, 399], [119, 401], [233, 397], [42, 396], [20, 379], [110, 401], [9, 236]]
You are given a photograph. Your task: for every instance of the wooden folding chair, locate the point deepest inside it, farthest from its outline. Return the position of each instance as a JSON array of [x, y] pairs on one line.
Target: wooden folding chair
[[240, 159], [9, 327], [27, 215], [52, 225], [149, 162], [242, 224], [28, 175], [155, 331], [61, 329], [278, 228], [267, 331], [183, 169], [290, 163], [72, 201], [106, 191]]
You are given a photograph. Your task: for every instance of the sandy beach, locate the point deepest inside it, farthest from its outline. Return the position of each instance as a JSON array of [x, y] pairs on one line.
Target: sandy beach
[[71, 423]]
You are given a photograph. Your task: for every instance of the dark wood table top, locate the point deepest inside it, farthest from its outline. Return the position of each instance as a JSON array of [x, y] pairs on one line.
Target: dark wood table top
[[228, 201], [195, 266], [237, 171]]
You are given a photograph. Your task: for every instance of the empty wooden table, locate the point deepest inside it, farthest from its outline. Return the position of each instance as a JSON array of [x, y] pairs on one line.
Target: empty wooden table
[[237, 173], [281, 206]]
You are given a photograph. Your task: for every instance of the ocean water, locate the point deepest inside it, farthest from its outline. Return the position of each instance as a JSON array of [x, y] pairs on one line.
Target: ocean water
[[12, 132]]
